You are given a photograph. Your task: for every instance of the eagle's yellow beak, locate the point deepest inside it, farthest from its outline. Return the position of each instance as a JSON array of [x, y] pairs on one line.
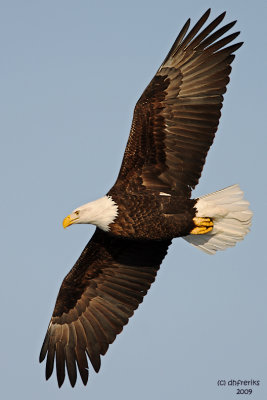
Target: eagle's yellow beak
[[68, 221]]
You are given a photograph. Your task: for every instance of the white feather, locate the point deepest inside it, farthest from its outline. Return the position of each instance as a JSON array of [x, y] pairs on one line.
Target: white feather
[[164, 194], [101, 212], [231, 217]]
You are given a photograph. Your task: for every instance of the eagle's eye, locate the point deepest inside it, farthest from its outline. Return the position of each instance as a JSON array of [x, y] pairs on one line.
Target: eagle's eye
[[77, 212]]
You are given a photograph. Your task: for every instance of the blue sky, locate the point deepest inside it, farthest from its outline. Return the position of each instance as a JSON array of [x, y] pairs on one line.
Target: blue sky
[[71, 73]]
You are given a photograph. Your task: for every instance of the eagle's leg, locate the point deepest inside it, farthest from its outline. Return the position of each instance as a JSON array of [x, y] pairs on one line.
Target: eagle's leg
[[202, 226]]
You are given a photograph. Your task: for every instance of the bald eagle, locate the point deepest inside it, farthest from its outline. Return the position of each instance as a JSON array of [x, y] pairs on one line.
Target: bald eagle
[[173, 127]]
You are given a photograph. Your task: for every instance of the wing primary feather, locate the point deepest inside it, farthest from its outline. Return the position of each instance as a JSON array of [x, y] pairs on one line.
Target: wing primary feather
[[194, 31], [93, 348], [215, 35], [230, 49], [205, 63], [82, 364], [206, 32], [44, 348], [80, 350], [71, 355], [178, 40], [50, 360], [71, 364], [60, 362]]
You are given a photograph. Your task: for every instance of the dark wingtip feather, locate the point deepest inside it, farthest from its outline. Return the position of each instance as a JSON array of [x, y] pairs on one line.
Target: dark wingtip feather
[[73, 382], [44, 349], [178, 40], [220, 18], [82, 364], [95, 360], [211, 39], [236, 46], [97, 369], [60, 363], [50, 361], [42, 355], [71, 365], [85, 378], [72, 378], [60, 381], [205, 16]]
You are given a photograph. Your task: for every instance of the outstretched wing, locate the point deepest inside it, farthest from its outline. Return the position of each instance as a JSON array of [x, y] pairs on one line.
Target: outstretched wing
[[96, 299], [176, 117]]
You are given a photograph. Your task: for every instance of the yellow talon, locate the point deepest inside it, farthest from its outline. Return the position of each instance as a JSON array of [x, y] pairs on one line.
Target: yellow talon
[[203, 225], [199, 221]]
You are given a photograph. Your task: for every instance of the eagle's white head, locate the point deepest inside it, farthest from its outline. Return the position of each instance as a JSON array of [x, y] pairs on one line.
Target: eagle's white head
[[101, 212]]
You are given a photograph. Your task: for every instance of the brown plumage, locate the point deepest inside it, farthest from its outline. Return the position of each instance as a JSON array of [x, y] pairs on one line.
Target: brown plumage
[[146, 214], [96, 299], [173, 127], [176, 117]]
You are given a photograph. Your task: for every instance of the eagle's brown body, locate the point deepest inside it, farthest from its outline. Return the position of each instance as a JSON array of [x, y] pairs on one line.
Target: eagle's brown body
[[173, 127], [152, 215]]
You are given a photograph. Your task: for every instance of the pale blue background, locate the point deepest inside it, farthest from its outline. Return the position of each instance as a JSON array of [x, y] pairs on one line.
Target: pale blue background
[[71, 72]]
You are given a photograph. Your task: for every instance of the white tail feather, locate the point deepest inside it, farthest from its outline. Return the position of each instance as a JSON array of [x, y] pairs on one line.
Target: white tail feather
[[231, 217]]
